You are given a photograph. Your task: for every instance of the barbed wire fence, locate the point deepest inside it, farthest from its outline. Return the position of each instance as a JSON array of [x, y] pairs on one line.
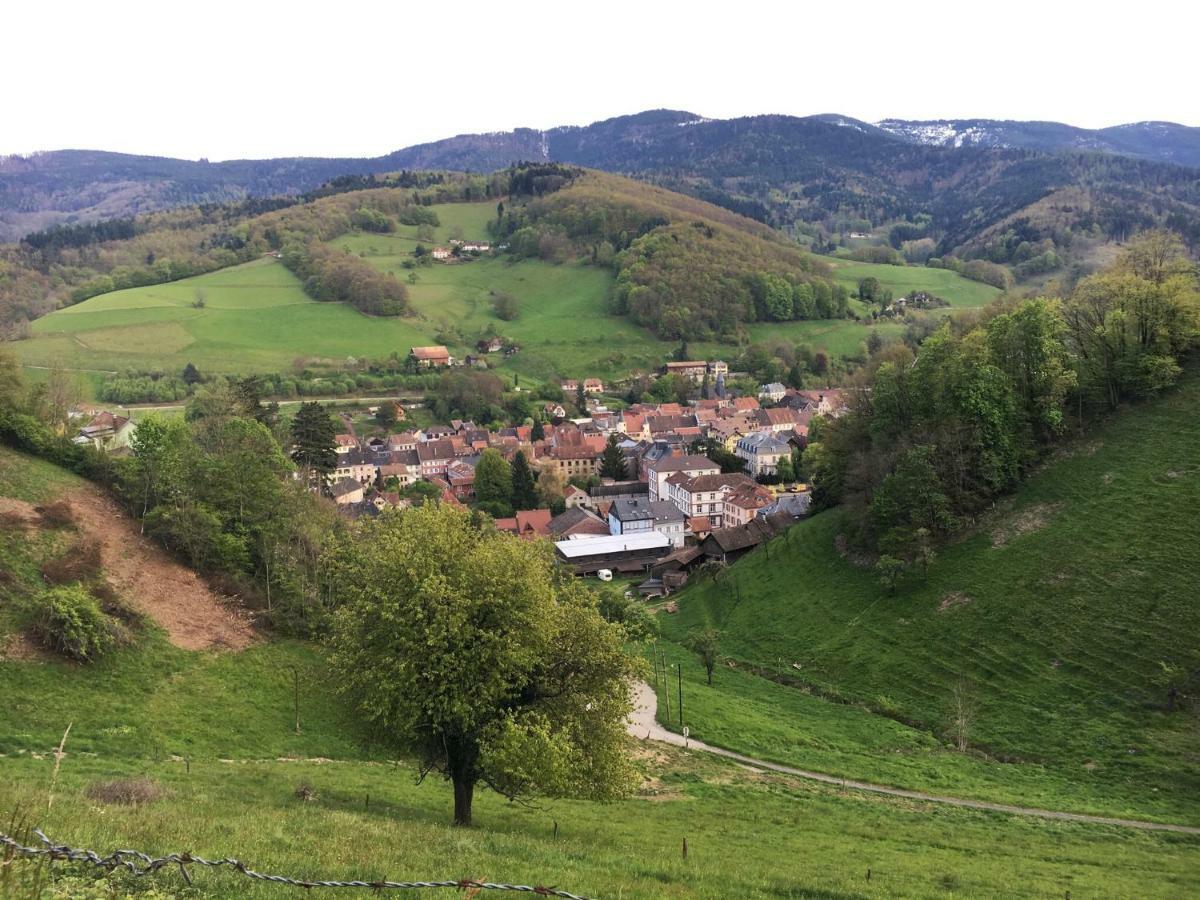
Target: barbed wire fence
[[141, 864]]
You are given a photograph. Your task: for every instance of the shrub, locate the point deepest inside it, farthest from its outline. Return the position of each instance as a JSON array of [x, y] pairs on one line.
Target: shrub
[[69, 621], [127, 791]]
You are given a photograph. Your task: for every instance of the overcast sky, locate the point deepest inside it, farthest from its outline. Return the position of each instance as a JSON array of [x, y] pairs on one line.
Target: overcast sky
[[255, 79]]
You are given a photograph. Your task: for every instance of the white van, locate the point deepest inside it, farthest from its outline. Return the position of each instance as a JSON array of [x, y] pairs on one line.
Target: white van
[[604, 574]]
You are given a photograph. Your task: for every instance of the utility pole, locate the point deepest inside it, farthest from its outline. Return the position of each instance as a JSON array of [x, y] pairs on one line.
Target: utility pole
[[679, 669], [667, 685]]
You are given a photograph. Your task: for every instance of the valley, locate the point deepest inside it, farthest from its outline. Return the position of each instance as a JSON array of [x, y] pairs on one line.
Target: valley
[[768, 507]]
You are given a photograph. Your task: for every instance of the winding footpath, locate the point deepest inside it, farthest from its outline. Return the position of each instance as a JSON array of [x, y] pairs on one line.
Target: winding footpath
[[643, 725]]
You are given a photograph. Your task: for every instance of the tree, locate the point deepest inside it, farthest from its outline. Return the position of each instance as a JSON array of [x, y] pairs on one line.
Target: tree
[[889, 569], [704, 643], [524, 494], [963, 709], [581, 398], [191, 375], [923, 552], [12, 382], [869, 289], [421, 492], [467, 648], [493, 480], [785, 470], [385, 415], [313, 447], [639, 623], [612, 462], [1171, 678], [538, 433], [550, 486], [505, 305]]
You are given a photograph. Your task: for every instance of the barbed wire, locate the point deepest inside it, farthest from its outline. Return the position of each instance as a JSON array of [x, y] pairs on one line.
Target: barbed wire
[[140, 864]]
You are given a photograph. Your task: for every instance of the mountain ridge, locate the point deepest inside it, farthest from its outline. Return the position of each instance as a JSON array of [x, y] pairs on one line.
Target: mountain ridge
[[816, 172]]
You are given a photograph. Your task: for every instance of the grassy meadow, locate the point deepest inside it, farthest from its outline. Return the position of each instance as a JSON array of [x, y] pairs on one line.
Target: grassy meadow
[[959, 292], [749, 834], [256, 318], [215, 733], [1053, 614]]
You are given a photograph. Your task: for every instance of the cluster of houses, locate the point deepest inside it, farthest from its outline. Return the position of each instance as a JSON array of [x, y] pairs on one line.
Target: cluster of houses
[[673, 504], [458, 248]]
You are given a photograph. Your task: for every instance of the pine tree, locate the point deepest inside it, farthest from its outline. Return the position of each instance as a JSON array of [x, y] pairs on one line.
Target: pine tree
[[539, 431], [524, 494], [313, 434], [493, 483], [191, 375], [612, 463]]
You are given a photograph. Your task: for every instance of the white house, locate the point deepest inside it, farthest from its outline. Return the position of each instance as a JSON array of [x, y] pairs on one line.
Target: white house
[[762, 452], [774, 392]]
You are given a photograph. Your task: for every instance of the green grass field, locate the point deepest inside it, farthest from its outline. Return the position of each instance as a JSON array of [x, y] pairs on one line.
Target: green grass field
[[1056, 612], [959, 292], [216, 731], [256, 318]]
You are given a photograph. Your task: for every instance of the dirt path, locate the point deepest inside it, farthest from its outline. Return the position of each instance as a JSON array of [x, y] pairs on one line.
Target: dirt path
[[643, 725], [194, 617]]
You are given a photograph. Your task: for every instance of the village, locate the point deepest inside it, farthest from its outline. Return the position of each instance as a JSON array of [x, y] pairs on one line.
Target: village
[[672, 509], [648, 492]]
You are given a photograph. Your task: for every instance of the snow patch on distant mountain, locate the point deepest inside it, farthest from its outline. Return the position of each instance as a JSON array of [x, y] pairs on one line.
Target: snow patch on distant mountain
[[941, 134]]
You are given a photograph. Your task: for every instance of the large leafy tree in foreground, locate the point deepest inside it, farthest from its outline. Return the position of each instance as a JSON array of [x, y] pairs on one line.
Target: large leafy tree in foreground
[[466, 647]]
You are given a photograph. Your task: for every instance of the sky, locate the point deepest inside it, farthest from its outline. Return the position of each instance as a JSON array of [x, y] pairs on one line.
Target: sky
[[256, 78]]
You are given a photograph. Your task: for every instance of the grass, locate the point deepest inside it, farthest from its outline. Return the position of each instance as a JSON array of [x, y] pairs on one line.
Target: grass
[[256, 318], [217, 732], [1056, 612], [748, 835], [32, 480], [959, 292]]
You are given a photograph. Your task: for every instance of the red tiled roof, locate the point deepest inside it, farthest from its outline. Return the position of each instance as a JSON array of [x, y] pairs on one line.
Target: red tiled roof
[[430, 353]]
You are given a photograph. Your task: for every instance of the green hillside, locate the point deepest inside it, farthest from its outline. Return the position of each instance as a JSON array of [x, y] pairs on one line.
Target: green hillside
[[958, 291], [215, 733], [1054, 614]]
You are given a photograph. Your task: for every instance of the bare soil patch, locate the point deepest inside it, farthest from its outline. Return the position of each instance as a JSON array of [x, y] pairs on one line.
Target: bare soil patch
[[953, 599], [22, 647], [1028, 520], [17, 513], [175, 597]]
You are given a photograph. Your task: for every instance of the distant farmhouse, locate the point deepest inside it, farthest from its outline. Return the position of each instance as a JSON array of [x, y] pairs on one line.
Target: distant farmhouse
[[431, 357]]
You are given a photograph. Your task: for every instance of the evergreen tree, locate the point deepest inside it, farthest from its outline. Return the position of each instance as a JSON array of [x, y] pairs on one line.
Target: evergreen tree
[[191, 375], [612, 463], [493, 483], [313, 433], [539, 431], [524, 493]]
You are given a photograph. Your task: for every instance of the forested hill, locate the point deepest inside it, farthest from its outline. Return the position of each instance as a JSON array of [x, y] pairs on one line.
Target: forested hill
[[665, 249], [1158, 141], [972, 178]]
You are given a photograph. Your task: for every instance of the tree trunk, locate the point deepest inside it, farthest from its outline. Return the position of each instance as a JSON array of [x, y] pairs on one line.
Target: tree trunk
[[464, 793]]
